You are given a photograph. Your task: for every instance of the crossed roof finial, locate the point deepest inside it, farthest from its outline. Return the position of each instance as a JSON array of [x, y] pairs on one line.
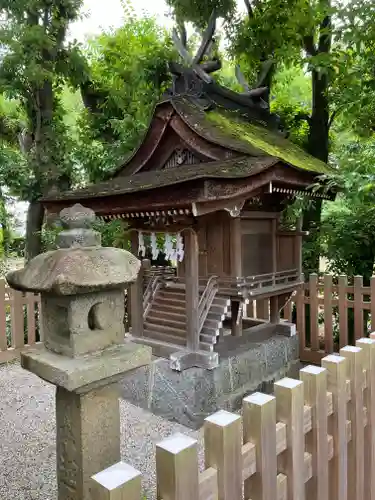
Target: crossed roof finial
[[202, 69]]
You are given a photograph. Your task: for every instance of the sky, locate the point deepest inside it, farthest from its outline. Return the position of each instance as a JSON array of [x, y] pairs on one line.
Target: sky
[[99, 15]]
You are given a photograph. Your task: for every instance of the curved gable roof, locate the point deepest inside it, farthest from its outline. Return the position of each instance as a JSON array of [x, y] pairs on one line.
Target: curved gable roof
[[229, 130]]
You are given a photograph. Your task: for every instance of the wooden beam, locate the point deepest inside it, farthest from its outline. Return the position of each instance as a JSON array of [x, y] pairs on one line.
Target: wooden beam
[[259, 215], [235, 247], [191, 257], [207, 207], [236, 270], [136, 293], [274, 301], [274, 309], [298, 245]]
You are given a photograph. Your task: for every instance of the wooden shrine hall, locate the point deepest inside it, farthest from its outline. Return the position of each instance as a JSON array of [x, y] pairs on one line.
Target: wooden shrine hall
[[207, 186]]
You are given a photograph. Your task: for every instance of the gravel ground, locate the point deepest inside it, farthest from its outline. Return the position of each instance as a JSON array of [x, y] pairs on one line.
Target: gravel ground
[[27, 437]]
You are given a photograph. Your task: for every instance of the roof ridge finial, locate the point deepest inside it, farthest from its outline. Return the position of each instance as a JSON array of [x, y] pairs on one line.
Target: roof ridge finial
[[195, 63]]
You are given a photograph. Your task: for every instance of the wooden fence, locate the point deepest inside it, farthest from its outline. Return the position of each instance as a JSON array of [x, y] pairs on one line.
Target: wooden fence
[[19, 321], [313, 440], [331, 313]]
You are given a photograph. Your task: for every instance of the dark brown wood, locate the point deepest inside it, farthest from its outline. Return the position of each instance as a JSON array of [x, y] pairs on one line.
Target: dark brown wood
[[274, 245], [136, 293], [236, 270], [183, 194], [215, 245], [298, 244], [274, 309], [192, 289], [150, 142], [199, 145]]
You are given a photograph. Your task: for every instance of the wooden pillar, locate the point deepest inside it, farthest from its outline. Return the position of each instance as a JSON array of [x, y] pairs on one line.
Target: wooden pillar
[[274, 245], [298, 246], [274, 301], [274, 309], [136, 293], [191, 258], [236, 270]]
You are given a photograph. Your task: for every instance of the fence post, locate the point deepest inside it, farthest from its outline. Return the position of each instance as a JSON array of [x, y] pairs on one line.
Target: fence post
[[177, 468], [356, 445], [222, 445], [31, 300], [290, 411], [118, 482], [314, 379], [372, 302], [343, 310], [338, 466], [358, 307], [368, 347], [17, 320], [259, 427], [328, 327], [314, 311], [301, 316], [3, 329]]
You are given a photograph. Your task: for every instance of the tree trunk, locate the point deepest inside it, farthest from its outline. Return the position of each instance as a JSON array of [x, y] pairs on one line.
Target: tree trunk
[[318, 141], [4, 224], [34, 223], [318, 146]]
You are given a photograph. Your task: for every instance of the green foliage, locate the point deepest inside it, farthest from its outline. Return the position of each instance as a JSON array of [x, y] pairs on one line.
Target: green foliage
[[37, 60], [348, 224], [113, 234], [198, 11], [128, 73], [291, 100]]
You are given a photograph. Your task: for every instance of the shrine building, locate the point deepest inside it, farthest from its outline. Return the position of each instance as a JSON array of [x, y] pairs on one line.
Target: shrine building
[[207, 187]]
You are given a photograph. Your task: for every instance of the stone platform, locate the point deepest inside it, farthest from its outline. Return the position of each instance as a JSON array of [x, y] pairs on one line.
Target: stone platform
[[190, 396]]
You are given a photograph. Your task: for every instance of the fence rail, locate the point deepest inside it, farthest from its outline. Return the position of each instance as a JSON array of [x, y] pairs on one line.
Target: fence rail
[[313, 440], [331, 313], [19, 321]]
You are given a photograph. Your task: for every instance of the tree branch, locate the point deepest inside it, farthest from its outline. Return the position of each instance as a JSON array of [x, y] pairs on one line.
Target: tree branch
[[302, 117], [334, 114], [250, 11]]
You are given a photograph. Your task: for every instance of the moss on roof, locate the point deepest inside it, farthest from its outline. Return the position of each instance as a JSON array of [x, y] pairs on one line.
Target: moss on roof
[[222, 169], [268, 141]]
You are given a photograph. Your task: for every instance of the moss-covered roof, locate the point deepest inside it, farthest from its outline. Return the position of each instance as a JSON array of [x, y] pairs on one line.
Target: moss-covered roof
[[229, 130], [225, 169]]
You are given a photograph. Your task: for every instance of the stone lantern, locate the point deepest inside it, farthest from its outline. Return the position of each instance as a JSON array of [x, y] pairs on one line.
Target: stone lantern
[[85, 351]]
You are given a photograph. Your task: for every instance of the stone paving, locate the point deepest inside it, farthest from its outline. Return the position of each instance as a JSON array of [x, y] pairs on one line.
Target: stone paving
[[27, 437]]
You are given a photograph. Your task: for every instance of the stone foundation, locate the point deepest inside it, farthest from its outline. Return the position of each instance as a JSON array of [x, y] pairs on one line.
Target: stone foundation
[[190, 396]]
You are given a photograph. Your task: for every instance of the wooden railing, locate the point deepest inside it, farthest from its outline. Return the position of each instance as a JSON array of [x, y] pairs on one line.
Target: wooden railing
[[262, 283], [206, 299], [151, 288], [19, 321], [313, 440]]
